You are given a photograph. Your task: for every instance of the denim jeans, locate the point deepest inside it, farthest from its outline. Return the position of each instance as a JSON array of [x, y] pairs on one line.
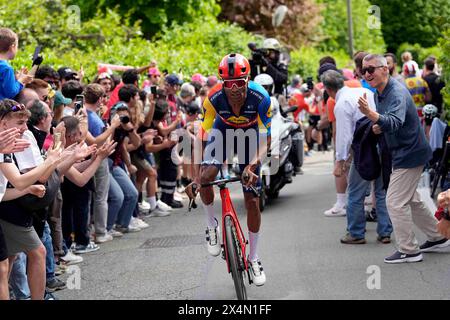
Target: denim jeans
[[50, 257], [122, 197], [75, 213], [18, 279], [100, 198], [356, 218]]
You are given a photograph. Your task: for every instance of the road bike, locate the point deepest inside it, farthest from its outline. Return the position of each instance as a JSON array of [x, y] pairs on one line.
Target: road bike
[[233, 239]]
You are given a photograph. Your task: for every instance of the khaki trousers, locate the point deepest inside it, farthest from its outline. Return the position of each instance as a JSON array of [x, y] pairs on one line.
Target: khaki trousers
[[406, 209]]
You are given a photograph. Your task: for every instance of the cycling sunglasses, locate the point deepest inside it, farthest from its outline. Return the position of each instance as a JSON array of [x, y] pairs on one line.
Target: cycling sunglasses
[[370, 69], [15, 108], [237, 82]]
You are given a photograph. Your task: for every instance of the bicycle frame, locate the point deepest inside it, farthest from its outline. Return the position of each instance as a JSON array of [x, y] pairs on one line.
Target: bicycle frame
[[228, 210]]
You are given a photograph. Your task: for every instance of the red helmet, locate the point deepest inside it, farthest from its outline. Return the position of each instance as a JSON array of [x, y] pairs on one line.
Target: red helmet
[[233, 66]]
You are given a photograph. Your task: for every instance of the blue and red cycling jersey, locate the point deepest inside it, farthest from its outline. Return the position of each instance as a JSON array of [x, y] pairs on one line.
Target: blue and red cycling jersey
[[256, 111]]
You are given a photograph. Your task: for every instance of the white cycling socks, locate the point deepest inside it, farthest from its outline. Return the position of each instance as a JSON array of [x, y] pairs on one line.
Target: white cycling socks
[[253, 242], [209, 211]]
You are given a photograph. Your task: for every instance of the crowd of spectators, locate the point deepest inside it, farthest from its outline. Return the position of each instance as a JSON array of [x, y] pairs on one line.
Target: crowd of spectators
[[84, 163]]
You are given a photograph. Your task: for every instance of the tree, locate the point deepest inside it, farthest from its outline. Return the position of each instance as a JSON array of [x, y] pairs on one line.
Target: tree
[[418, 21], [298, 28], [153, 14], [334, 27], [108, 37], [444, 44]]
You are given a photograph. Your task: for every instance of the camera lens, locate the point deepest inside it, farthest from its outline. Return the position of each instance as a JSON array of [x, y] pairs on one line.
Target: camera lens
[[124, 119]]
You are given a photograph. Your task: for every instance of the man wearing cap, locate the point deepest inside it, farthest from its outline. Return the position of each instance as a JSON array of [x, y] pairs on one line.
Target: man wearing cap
[[272, 64], [168, 170], [67, 74], [172, 85]]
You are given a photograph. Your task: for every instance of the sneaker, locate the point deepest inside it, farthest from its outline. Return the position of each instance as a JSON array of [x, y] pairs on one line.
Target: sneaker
[[144, 206], [400, 257], [49, 296], [115, 234], [162, 206], [213, 241], [348, 239], [434, 246], [55, 284], [138, 223], [91, 247], [103, 238], [71, 258], [371, 216], [384, 239], [257, 271], [128, 229], [335, 212], [158, 212]]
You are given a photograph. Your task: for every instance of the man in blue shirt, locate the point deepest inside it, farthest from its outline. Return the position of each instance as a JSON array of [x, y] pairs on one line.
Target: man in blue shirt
[[396, 117], [98, 134], [9, 86]]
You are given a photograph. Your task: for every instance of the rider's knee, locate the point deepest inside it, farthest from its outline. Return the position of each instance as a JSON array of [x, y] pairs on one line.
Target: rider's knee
[[208, 175]]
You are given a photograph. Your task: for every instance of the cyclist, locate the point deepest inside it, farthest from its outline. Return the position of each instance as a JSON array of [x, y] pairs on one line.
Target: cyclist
[[244, 108]]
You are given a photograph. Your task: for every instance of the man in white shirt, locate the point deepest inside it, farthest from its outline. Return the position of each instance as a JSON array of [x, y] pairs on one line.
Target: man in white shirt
[[347, 114]]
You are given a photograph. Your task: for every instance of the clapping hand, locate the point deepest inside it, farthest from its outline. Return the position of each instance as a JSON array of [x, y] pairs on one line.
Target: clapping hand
[[10, 143], [106, 149]]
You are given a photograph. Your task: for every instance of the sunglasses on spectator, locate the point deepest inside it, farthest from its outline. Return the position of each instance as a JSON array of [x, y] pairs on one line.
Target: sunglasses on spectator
[[235, 82], [370, 69], [15, 108]]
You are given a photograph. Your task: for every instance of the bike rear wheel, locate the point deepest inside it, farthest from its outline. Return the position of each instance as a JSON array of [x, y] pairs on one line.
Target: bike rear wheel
[[235, 259]]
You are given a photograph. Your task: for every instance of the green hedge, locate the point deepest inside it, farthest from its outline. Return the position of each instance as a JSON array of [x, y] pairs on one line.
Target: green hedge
[[109, 38], [444, 59], [305, 61]]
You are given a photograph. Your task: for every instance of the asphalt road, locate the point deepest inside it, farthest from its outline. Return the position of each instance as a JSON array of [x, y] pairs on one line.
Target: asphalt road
[[299, 248]]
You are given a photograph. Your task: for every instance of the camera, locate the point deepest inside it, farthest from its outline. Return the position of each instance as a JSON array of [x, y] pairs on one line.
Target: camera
[[78, 104], [124, 119], [257, 53]]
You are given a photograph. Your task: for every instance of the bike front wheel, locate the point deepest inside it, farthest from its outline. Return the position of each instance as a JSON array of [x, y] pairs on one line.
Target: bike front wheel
[[235, 259]]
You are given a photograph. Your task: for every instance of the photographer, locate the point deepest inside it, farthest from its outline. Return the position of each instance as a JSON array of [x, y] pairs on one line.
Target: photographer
[[123, 195], [269, 61]]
